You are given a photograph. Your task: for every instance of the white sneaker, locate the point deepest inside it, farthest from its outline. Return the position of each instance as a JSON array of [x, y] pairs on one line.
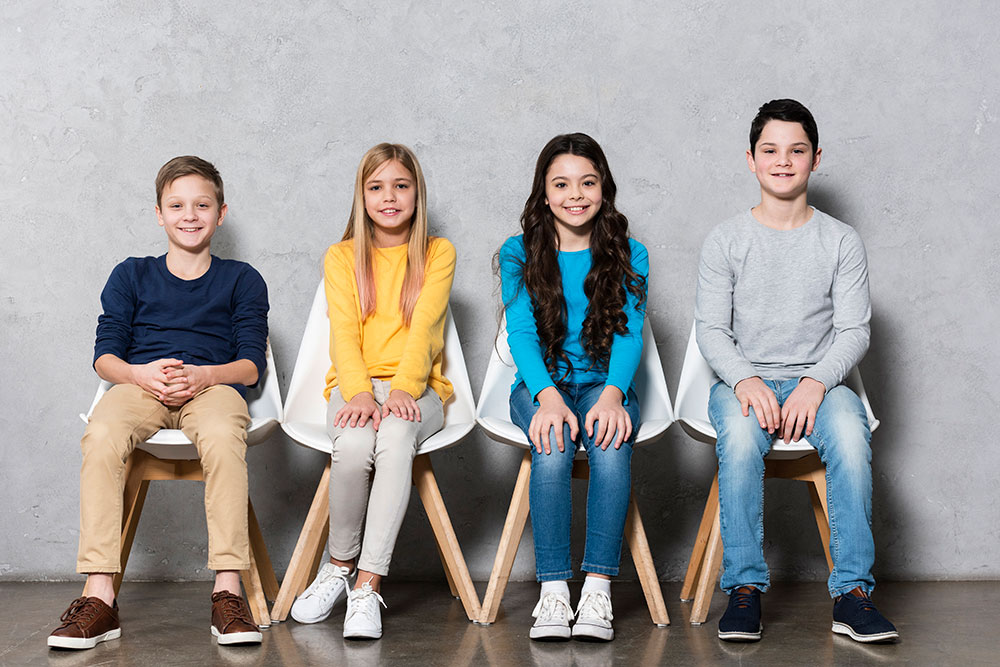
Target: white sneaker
[[552, 616], [593, 617], [328, 588], [364, 618]]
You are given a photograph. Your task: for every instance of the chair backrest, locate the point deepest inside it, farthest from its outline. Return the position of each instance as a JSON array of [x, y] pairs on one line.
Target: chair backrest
[[305, 409], [691, 406], [493, 410], [263, 404]]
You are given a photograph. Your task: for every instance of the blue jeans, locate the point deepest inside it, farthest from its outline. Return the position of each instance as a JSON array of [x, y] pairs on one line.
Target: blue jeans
[[841, 437], [550, 495]]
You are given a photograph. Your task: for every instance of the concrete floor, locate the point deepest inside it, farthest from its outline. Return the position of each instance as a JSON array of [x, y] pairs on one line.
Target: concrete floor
[[167, 624]]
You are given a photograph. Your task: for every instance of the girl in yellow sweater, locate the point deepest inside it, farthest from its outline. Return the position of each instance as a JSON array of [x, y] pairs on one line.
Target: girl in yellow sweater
[[387, 286]]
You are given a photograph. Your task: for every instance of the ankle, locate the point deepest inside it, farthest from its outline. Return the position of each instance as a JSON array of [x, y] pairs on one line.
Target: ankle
[[593, 583], [102, 587], [370, 578], [558, 587], [227, 581], [349, 564]]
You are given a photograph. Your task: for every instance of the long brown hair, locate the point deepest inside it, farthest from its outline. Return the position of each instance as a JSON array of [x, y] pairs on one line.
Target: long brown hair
[[611, 273], [361, 228]]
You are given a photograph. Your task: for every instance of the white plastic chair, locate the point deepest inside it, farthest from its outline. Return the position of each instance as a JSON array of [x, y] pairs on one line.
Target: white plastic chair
[[169, 454], [493, 415], [791, 460], [305, 422]]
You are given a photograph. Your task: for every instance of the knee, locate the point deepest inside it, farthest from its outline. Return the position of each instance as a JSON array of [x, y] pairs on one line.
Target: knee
[[222, 446], [354, 448], [101, 442], [844, 433], [396, 441]]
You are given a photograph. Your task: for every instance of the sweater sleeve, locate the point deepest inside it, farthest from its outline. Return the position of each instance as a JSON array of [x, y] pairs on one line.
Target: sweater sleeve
[[714, 313], [852, 313], [345, 327], [626, 349], [250, 308], [425, 338], [522, 334], [114, 325]]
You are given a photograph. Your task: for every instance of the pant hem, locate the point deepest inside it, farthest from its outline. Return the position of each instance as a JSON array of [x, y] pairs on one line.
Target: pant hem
[[554, 576], [847, 588], [600, 569], [763, 588], [225, 567], [97, 569]]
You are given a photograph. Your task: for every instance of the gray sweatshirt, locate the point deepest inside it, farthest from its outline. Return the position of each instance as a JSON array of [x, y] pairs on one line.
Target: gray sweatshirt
[[783, 304]]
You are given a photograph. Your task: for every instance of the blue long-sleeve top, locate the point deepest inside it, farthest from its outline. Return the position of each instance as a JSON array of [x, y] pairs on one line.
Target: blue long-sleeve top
[[522, 334], [151, 314]]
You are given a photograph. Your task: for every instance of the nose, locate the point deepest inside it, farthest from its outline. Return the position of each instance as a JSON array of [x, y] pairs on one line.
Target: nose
[[389, 194], [785, 158], [190, 212], [575, 192]]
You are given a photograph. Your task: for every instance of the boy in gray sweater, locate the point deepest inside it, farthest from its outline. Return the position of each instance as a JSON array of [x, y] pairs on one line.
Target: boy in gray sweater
[[782, 316]]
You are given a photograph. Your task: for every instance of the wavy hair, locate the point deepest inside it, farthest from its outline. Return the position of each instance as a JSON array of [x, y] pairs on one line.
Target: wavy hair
[[611, 274], [361, 228]]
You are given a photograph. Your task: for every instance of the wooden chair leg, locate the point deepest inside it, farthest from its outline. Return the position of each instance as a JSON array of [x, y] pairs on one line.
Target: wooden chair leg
[[304, 555], [447, 573], [510, 539], [701, 541], [709, 574], [259, 553], [444, 535], [644, 567], [255, 593], [817, 493]]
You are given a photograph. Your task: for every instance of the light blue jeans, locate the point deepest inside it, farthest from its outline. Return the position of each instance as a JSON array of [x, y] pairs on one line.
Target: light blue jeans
[[550, 494], [841, 437]]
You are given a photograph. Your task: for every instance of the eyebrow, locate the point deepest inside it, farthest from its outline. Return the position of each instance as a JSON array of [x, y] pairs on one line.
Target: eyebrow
[[566, 178], [402, 179], [771, 143]]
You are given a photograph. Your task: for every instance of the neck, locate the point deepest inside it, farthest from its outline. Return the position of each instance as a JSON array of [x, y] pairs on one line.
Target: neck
[[572, 239], [389, 238], [782, 213], [188, 265]]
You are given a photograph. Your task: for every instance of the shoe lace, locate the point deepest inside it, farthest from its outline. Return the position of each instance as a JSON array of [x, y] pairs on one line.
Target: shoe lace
[[233, 609], [863, 603], [551, 605], [741, 600], [322, 586], [81, 610], [594, 603], [365, 601]]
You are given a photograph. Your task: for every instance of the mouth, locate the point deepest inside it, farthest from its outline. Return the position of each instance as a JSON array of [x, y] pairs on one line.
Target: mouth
[[190, 230], [783, 175], [576, 210], [390, 211]]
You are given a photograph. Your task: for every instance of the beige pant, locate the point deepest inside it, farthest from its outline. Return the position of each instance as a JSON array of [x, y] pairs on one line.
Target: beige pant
[[215, 420], [389, 451]]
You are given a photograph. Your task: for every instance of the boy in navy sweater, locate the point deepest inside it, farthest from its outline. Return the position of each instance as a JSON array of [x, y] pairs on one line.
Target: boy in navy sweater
[[181, 337]]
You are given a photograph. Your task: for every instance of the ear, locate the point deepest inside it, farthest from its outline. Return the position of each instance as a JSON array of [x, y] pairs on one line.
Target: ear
[[816, 157], [222, 214], [750, 162], [159, 216]]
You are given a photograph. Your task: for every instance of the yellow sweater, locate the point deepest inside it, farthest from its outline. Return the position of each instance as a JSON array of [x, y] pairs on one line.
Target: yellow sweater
[[382, 346]]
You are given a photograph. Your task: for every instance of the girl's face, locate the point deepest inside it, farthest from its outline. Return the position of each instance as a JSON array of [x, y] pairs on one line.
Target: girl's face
[[390, 200], [573, 194]]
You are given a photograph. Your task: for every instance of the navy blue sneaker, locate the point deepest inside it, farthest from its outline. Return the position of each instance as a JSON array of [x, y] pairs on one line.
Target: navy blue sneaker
[[854, 615], [741, 622]]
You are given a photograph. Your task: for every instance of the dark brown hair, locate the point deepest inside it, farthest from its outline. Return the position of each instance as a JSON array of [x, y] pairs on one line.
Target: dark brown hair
[[786, 110], [610, 275], [187, 165]]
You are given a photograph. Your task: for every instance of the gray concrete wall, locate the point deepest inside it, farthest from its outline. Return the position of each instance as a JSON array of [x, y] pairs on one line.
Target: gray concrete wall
[[285, 101]]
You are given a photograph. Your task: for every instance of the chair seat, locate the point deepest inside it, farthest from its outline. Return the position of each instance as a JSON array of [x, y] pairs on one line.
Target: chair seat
[[701, 430], [171, 444], [315, 436]]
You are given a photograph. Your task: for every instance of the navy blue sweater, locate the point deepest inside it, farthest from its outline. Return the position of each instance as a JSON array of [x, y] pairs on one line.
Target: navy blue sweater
[[151, 314]]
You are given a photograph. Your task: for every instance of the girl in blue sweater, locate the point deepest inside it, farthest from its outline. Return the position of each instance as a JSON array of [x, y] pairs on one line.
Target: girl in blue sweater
[[574, 292]]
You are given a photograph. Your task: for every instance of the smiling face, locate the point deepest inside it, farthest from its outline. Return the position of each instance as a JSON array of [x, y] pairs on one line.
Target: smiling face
[[390, 200], [783, 159], [573, 194], [189, 212]]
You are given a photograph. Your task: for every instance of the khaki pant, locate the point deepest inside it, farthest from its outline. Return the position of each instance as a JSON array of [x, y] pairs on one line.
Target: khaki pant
[[389, 452], [215, 420]]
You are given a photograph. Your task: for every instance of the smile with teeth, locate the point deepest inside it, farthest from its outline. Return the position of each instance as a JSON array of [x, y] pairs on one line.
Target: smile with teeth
[[575, 209], [389, 211]]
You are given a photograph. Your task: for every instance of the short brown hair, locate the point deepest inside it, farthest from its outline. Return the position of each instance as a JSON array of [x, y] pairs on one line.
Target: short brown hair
[[187, 165]]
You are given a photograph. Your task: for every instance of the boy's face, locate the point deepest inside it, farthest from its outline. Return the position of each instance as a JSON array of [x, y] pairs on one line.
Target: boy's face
[[189, 212], [783, 159]]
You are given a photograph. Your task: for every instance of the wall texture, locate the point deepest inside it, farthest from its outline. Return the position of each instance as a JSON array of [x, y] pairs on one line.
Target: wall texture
[[285, 101]]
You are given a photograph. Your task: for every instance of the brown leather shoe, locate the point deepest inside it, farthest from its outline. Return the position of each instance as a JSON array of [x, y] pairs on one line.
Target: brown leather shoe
[[231, 620], [87, 622]]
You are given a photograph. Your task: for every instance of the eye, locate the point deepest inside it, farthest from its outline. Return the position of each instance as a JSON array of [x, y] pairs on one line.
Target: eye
[[799, 150], [768, 150], [374, 188], [175, 206], [559, 185], [590, 182], [402, 186]]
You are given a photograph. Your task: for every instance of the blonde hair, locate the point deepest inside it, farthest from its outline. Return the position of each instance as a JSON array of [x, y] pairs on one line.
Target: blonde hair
[[361, 229]]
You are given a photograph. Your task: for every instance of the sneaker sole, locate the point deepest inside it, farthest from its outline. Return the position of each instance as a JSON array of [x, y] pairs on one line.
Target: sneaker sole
[[844, 629], [550, 633], [83, 642], [361, 634], [237, 637], [741, 636], [299, 617], [592, 633]]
